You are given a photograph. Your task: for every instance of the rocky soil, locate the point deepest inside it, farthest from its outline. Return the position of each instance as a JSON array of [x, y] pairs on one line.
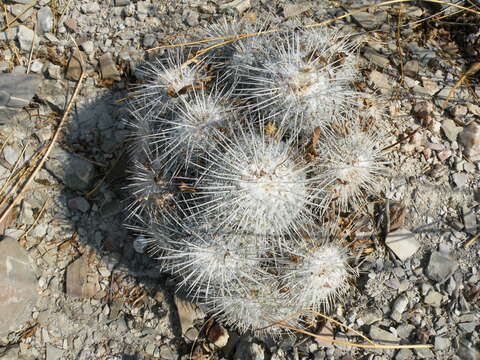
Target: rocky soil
[[75, 285]]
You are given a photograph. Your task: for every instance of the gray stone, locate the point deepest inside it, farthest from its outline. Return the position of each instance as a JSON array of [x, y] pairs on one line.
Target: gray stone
[[75, 172], [20, 87], [10, 354], [442, 343], [470, 220], [187, 313], [77, 282], [10, 154], [88, 46], [450, 129], [107, 68], [376, 58], [378, 334], [4, 98], [404, 354], [168, 352], [53, 353], [19, 286], [424, 354], [370, 21], [434, 299], [403, 243], [79, 203], [467, 351], [470, 139], [149, 40], [468, 327], [74, 66], [405, 330], [90, 8], [54, 71], [191, 18], [440, 267], [239, 5], [45, 20], [290, 10], [460, 179], [19, 10], [380, 81], [36, 66], [25, 37], [400, 304], [122, 2], [248, 350]]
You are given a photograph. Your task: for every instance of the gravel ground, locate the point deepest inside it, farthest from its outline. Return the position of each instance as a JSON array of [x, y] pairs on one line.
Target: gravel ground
[[78, 287]]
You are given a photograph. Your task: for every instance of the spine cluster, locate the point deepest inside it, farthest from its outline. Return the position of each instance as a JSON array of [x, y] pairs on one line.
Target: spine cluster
[[238, 156]]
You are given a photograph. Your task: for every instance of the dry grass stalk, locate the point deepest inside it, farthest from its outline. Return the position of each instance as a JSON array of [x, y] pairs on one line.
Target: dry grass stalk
[[7, 25], [472, 70], [50, 145], [371, 345]]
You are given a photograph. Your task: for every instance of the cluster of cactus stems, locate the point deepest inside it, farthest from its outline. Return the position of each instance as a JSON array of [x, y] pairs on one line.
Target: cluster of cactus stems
[[238, 156]]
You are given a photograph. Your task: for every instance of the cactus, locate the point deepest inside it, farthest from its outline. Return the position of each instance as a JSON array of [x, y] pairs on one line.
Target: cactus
[[235, 161]]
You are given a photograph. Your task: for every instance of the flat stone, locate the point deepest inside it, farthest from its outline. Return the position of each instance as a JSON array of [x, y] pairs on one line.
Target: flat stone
[[470, 220], [440, 267], [380, 81], [19, 286], [187, 313], [53, 353], [442, 343], [77, 283], [434, 299], [4, 98], [11, 353], [74, 171], [378, 334], [19, 10], [450, 129], [107, 68], [290, 10], [424, 354], [470, 139], [191, 18], [168, 353], [88, 46], [239, 5], [74, 67], [400, 304], [404, 354], [90, 8], [248, 350], [403, 243], [10, 154], [20, 87], [468, 326], [79, 203], [376, 58], [370, 21], [122, 2], [54, 71], [25, 38], [460, 179], [71, 24], [45, 20]]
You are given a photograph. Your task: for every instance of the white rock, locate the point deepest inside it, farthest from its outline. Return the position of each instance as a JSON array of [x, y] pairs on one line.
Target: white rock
[[25, 37], [403, 243], [45, 20]]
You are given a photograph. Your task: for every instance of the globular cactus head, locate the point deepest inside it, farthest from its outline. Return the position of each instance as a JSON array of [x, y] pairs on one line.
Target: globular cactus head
[[236, 157]]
